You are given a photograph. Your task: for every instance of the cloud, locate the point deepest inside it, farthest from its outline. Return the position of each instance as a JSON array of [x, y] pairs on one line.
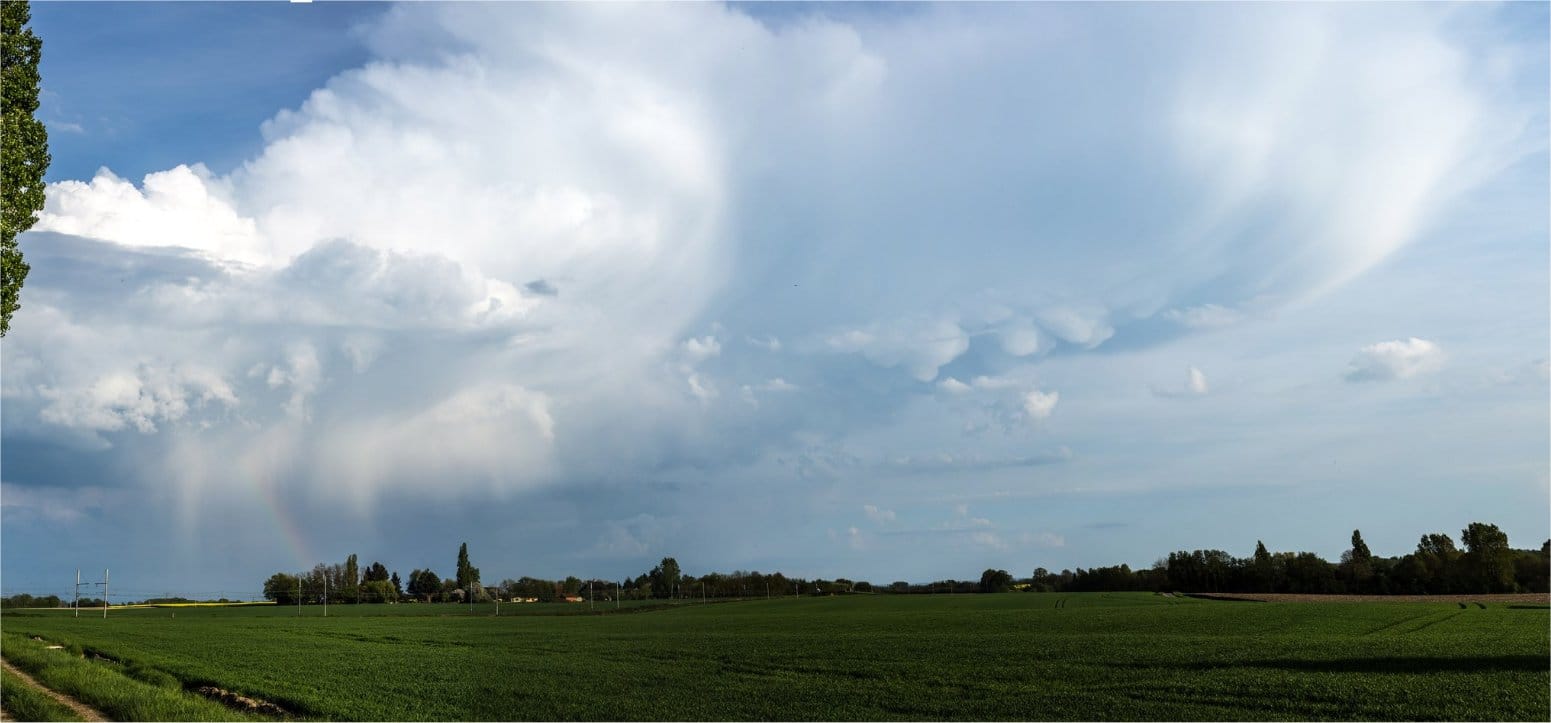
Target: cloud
[[953, 386], [768, 343], [1391, 360], [701, 349], [542, 287], [138, 399], [1195, 386], [944, 462], [388, 265], [185, 206], [56, 504], [1205, 316], [1039, 405], [877, 514], [920, 346]]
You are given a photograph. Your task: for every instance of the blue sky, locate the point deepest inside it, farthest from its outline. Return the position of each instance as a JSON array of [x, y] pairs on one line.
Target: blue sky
[[879, 291]]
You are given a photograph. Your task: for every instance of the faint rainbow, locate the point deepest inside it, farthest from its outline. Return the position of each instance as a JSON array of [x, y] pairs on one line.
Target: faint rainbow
[[281, 521]]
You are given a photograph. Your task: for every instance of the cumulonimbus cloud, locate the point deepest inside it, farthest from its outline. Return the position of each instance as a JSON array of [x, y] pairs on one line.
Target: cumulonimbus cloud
[[515, 203]]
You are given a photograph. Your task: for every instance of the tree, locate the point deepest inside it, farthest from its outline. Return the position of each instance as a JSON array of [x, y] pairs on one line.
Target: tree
[[281, 588], [1357, 565], [995, 581], [350, 585], [374, 573], [1439, 562], [398, 589], [378, 591], [467, 574], [1264, 568], [424, 584], [23, 149], [665, 577], [1488, 559]]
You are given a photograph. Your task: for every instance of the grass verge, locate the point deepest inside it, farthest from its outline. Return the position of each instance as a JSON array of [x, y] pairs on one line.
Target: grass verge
[[99, 685]]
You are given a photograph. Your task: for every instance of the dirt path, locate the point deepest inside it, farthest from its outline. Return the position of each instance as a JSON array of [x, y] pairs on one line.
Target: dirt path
[[86, 712]]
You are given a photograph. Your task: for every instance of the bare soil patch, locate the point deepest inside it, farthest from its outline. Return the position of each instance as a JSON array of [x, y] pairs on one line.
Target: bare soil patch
[[1520, 598], [241, 702], [86, 712]]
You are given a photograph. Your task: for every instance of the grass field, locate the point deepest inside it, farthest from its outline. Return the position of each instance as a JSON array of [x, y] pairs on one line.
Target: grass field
[[1010, 656]]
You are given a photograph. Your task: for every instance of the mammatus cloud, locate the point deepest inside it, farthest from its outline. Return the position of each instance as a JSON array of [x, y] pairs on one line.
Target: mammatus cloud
[[1399, 359]]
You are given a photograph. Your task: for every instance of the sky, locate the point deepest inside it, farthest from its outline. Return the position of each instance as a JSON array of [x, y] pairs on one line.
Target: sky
[[875, 291]]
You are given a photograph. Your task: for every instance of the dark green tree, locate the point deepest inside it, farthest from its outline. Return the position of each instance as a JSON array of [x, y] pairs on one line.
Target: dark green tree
[[1488, 560], [665, 577], [375, 573], [995, 581], [23, 148], [398, 588], [424, 584], [1263, 568], [1357, 565], [1438, 561], [281, 588], [351, 584], [467, 573]]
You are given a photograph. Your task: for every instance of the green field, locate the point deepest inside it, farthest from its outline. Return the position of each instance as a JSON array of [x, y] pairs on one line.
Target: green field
[[1007, 656]]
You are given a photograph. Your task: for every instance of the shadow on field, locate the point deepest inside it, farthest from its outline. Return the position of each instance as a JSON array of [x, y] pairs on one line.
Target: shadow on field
[[1481, 664]]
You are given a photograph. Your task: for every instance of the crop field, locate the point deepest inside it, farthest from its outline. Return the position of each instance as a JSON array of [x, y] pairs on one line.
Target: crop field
[[1006, 656]]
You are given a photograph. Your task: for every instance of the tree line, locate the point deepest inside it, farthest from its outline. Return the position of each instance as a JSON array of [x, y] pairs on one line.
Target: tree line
[[348, 583], [1485, 564]]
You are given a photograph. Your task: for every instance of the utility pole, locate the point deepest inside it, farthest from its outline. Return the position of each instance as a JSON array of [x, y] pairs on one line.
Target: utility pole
[[325, 593], [767, 590], [616, 596], [104, 593], [76, 602], [298, 596]]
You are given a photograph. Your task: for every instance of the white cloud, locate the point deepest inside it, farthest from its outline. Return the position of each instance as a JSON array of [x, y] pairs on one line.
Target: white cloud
[[138, 399], [1195, 386], [1084, 327], [185, 206], [700, 349], [1020, 338], [701, 388], [920, 346], [953, 386], [1398, 359], [1039, 405]]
